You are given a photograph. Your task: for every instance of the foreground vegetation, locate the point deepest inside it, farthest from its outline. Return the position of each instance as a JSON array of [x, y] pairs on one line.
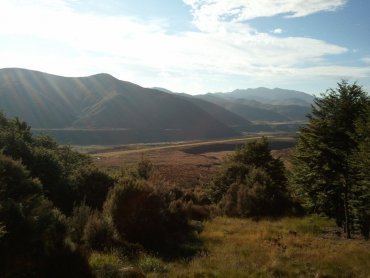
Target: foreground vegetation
[[61, 216], [290, 247]]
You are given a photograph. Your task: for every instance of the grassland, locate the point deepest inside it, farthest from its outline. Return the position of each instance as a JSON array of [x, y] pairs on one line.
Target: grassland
[[187, 164], [285, 248], [289, 247]]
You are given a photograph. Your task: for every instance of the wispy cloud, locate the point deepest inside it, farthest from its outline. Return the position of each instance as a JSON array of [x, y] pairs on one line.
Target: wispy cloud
[[366, 60], [277, 31], [208, 13], [224, 45]]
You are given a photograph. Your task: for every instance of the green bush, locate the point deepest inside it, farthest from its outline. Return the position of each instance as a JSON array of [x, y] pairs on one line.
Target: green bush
[[144, 169], [251, 183], [98, 233], [34, 244], [145, 215], [77, 222], [68, 177]]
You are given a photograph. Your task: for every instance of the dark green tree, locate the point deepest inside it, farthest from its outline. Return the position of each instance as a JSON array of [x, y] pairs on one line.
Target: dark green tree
[[252, 183], [34, 242], [68, 177], [360, 164], [321, 162]]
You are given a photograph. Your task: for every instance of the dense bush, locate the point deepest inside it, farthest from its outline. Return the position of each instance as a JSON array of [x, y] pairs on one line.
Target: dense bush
[[145, 215], [68, 177], [251, 183], [98, 233], [34, 242]]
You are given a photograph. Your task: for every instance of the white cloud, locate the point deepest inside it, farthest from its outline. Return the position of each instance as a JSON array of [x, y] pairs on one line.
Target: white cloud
[[207, 13], [277, 31], [144, 52], [366, 60]]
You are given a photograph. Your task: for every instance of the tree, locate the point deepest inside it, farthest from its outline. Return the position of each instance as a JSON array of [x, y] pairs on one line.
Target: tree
[[252, 183], [34, 242], [321, 160], [360, 166], [68, 177]]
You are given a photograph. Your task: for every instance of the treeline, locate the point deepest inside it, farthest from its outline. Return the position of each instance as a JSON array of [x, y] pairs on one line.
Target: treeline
[[57, 208]]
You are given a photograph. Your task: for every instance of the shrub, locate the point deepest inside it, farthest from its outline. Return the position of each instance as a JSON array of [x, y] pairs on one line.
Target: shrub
[[251, 183], [91, 186], [35, 240], [144, 169], [144, 215], [77, 222], [98, 233]]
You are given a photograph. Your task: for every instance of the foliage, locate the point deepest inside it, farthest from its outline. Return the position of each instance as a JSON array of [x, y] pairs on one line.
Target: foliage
[[144, 168], [98, 233], [35, 231], [360, 165], [322, 172], [143, 214], [68, 177], [77, 221], [252, 183]]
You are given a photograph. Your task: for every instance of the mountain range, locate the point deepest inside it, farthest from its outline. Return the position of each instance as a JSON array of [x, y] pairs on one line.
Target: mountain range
[[101, 109]]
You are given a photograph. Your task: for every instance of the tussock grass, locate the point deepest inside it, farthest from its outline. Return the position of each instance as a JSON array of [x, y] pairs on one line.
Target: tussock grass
[[106, 264], [291, 247]]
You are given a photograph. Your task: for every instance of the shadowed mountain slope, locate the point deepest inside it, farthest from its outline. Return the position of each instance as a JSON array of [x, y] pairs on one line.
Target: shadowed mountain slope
[[104, 102]]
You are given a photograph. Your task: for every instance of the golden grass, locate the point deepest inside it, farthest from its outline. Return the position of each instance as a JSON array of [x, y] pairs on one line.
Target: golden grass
[[290, 247]]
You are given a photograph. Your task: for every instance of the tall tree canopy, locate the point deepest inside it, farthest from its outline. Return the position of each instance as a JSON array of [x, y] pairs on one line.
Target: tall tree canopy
[[322, 168]]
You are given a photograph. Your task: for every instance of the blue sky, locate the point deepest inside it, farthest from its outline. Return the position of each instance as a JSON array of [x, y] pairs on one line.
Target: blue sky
[[192, 46]]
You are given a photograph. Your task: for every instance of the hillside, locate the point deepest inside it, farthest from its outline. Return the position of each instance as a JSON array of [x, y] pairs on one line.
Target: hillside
[[102, 102], [262, 104], [270, 96]]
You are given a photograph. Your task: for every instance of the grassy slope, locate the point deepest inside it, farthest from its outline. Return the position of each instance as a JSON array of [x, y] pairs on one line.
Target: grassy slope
[[244, 248]]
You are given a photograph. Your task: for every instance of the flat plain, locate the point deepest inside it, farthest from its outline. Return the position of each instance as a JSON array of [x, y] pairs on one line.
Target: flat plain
[[186, 164]]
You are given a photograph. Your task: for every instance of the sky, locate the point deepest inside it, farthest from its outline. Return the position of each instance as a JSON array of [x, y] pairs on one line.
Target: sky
[[193, 46]]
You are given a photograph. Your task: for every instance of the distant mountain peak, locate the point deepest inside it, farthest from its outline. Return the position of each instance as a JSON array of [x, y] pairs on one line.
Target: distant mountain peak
[[103, 75]]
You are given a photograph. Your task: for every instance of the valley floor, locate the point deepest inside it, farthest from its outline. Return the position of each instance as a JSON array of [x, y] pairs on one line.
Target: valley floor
[[187, 164]]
